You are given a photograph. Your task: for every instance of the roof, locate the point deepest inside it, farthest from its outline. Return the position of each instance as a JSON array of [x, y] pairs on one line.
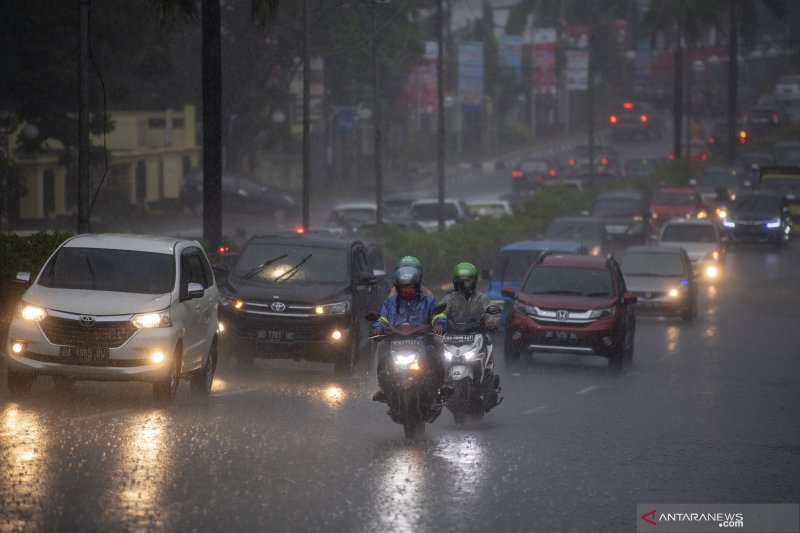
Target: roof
[[679, 190], [124, 241], [575, 261], [553, 246], [655, 249], [354, 205], [306, 240]]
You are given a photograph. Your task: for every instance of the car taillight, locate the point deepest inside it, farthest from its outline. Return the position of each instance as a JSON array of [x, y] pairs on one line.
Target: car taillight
[[612, 119], [300, 230], [604, 161], [223, 249], [711, 140], [643, 118], [572, 162], [552, 172], [516, 174], [704, 157], [628, 105]]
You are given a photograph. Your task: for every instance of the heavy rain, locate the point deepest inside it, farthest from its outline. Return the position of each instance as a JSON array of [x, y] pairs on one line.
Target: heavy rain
[[399, 265]]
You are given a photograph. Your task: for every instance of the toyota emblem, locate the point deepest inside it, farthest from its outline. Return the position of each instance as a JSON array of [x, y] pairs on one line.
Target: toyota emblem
[[562, 314], [87, 321], [278, 307]]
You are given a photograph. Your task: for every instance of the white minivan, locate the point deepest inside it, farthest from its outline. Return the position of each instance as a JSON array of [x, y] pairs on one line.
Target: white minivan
[[115, 307]]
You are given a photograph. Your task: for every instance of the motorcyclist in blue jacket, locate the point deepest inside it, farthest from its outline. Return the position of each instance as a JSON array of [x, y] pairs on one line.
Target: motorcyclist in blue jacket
[[409, 306]]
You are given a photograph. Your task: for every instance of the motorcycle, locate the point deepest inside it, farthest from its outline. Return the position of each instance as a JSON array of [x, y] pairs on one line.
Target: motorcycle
[[410, 385], [470, 368]]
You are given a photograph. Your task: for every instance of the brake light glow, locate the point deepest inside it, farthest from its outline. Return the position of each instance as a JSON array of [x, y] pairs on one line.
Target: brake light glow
[[223, 249], [704, 157], [774, 118], [552, 172], [300, 230], [628, 105], [643, 118], [572, 162], [516, 174], [604, 161], [613, 119]]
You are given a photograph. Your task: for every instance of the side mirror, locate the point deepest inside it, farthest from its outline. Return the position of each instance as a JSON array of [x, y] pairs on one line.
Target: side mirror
[[23, 278], [493, 310], [195, 290], [368, 279], [629, 298], [509, 292]]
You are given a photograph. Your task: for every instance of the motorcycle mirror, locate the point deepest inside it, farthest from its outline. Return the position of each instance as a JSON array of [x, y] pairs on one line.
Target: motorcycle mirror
[[493, 310], [371, 317]]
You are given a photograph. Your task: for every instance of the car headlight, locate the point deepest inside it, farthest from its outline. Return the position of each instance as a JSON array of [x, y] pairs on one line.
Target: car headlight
[[152, 320], [674, 292], [603, 313], [728, 223], [713, 255], [527, 309], [338, 308], [595, 250], [225, 301], [721, 213], [701, 214], [32, 312], [404, 359], [775, 223]]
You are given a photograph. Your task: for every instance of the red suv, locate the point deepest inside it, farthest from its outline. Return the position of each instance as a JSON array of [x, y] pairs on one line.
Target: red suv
[[572, 304]]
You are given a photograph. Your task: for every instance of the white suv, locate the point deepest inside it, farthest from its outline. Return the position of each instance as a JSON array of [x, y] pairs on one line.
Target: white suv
[[118, 308]]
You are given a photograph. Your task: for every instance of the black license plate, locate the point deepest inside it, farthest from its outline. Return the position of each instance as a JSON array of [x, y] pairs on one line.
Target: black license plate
[[83, 352], [459, 339], [274, 335], [561, 335]]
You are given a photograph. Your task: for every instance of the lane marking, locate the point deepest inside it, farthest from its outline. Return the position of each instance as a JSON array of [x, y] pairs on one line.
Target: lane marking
[[588, 389], [535, 409]]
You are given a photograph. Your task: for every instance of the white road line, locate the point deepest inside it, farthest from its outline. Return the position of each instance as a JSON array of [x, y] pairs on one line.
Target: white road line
[[535, 409], [588, 389]]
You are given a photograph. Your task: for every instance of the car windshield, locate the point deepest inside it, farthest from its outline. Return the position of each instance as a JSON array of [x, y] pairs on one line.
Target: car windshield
[[757, 203], [512, 266], [575, 230], [652, 264], [726, 179], [430, 211], [782, 185], [689, 233], [101, 269], [623, 207], [569, 281], [673, 199], [269, 262], [534, 166]]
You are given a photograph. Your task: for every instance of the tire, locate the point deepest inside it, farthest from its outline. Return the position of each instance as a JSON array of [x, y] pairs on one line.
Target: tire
[[19, 383], [63, 383], [459, 417], [348, 360], [164, 390], [410, 428], [201, 380], [476, 416], [689, 313]]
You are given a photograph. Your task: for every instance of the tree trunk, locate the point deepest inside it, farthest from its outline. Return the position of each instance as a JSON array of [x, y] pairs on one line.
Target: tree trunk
[[212, 124]]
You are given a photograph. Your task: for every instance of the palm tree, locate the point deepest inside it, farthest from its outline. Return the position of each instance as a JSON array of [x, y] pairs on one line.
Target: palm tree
[[262, 11], [679, 21]]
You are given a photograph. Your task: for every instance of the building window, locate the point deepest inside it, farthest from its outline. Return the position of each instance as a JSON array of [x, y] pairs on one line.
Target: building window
[[156, 123]]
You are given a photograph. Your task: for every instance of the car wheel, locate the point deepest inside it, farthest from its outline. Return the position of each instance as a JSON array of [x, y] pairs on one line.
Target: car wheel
[[201, 380], [19, 383], [63, 383], [164, 390], [628, 355]]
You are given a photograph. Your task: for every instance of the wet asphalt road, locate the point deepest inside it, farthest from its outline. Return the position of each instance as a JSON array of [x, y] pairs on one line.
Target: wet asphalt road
[[708, 413]]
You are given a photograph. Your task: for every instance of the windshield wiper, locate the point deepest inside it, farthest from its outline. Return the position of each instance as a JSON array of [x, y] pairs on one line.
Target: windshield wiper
[[559, 291], [91, 270], [593, 294], [262, 266], [295, 269]]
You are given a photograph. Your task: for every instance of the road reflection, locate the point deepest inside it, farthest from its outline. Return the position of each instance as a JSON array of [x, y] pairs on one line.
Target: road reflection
[[140, 478], [467, 459], [399, 502], [23, 488]]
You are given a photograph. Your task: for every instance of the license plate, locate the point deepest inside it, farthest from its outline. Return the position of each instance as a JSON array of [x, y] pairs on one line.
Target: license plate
[[275, 335], [83, 352], [459, 339], [561, 335]]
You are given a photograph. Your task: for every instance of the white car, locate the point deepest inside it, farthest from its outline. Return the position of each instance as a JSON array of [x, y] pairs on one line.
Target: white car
[[112, 307], [787, 89], [426, 213], [351, 215], [702, 242], [488, 208]]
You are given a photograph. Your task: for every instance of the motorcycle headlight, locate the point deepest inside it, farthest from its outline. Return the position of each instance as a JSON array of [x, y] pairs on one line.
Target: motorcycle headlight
[[32, 312], [152, 320], [404, 359], [602, 313], [469, 355], [338, 308]]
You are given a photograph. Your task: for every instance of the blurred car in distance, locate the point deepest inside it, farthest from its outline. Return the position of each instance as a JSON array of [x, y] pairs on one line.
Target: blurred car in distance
[[759, 217], [529, 174], [719, 185], [625, 214], [426, 213], [574, 185], [668, 203], [786, 153], [351, 215], [702, 241], [662, 279], [606, 159], [397, 204], [787, 89], [589, 231], [748, 164], [784, 181], [766, 119], [488, 208], [632, 120]]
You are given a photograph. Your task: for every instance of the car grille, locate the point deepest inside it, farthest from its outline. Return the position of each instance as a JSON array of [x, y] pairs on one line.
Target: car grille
[[257, 327], [650, 295], [69, 332], [103, 363]]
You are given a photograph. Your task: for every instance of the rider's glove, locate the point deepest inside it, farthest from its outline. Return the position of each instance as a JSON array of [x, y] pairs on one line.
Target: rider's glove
[[438, 329]]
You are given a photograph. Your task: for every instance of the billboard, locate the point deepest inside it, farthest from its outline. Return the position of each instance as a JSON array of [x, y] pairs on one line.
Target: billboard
[[470, 74], [544, 60]]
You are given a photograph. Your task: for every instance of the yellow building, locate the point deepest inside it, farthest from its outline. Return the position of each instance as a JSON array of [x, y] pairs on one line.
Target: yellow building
[[149, 153]]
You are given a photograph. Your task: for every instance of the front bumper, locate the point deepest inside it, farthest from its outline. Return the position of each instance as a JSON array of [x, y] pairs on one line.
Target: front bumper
[[757, 233], [129, 362], [661, 304], [597, 338]]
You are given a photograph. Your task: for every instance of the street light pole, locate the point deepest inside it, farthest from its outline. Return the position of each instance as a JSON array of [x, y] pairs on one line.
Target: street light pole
[[376, 78], [306, 112], [440, 112], [84, 225]]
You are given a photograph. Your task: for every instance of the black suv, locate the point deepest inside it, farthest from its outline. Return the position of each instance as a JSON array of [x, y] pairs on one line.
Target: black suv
[[301, 296], [759, 217], [625, 214]]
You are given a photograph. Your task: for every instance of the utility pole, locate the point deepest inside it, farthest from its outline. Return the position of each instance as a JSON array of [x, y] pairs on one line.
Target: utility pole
[[84, 224], [306, 111], [733, 81], [376, 104], [440, 112], [212, 125]]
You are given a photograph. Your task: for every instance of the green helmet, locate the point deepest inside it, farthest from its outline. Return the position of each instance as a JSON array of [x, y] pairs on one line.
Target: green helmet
[[409, 260], [465, 278]]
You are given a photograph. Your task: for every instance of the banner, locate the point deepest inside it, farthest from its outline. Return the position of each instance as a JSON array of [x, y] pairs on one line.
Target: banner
[[577, 75], [544, 60], [470, 74], [510, 51]]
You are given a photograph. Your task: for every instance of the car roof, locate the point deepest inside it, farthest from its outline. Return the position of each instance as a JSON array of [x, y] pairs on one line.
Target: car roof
[[354, 205], [689, 222], [681, 190], [126, 241], [435, 201], [552, 245], [306, 240], [654, 249], [575, 261]]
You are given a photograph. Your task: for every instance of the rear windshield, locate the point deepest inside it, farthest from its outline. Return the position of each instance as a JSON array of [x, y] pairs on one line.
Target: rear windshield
[[616, 207], [285, 263], [534, 166], [757, 203], [689, 233], [431, 211], [569, 281], [100, 269], [576, 230], [652, 264], [512, 266], [673, 199]]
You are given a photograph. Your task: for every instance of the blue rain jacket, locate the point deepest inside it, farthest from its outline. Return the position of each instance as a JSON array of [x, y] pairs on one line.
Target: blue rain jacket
[[396, 310]]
